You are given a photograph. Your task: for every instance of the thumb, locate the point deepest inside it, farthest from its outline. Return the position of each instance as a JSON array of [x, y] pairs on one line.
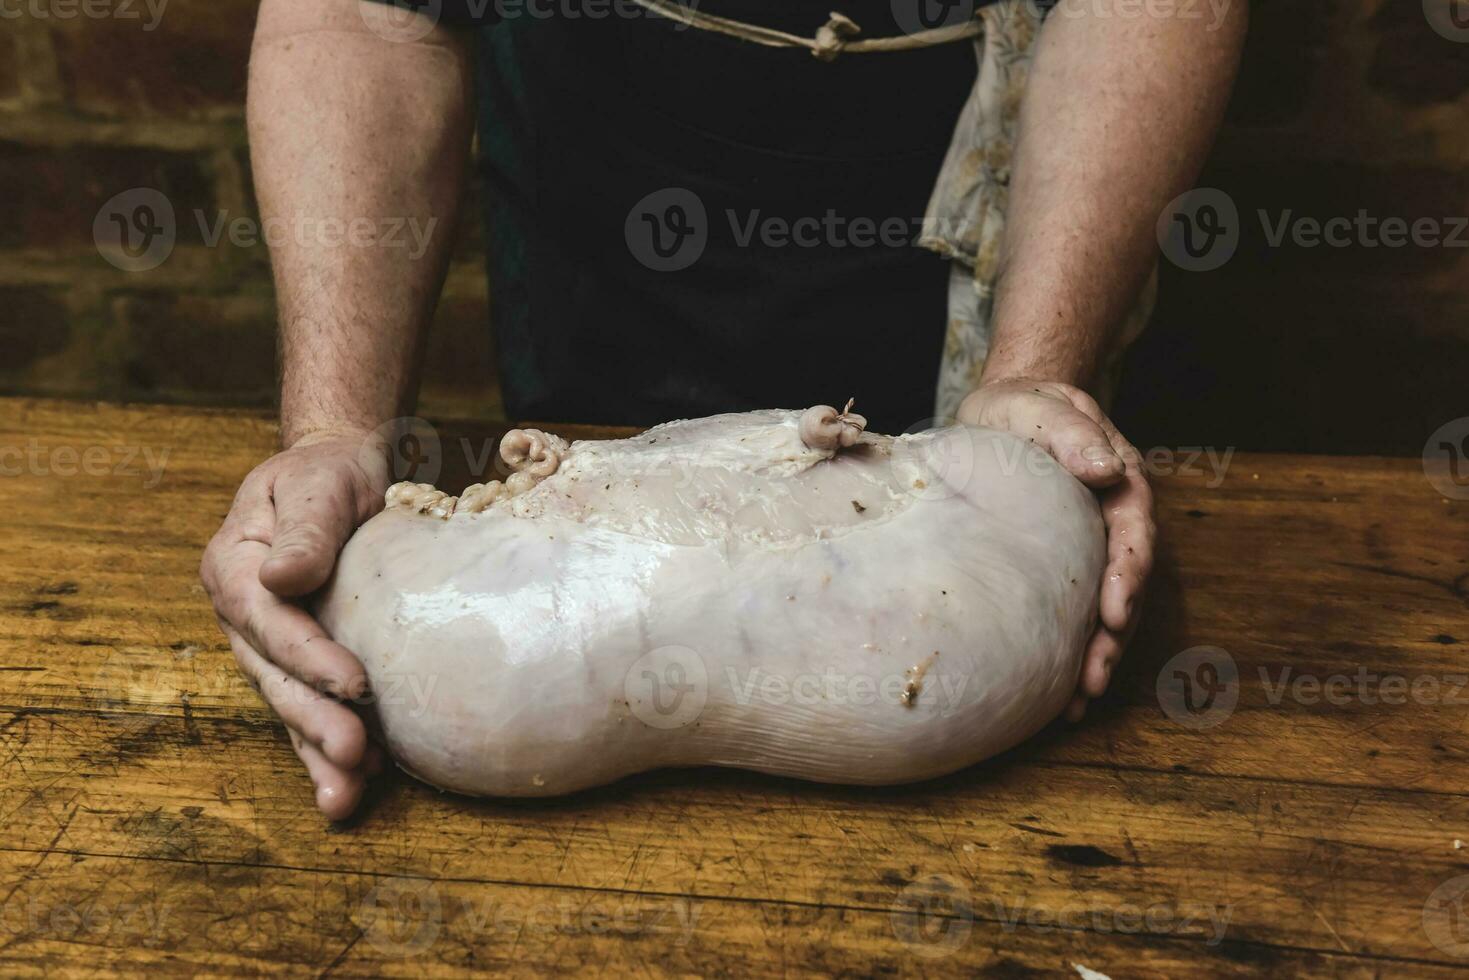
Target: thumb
[[1063, 421], [314, 516], [1082, 447]]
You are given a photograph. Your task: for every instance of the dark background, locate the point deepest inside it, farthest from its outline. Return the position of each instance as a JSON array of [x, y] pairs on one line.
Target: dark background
[[1343, 106]]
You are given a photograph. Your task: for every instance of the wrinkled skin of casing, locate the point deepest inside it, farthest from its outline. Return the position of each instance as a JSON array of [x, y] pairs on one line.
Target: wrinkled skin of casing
[[717, 591]]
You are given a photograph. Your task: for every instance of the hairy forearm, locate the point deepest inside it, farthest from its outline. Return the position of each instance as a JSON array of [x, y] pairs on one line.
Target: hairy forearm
[[1119, 113], [359, 147]]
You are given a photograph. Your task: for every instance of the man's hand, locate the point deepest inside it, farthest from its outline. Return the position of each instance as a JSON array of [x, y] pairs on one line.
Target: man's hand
[[349, 126], [1087, 186], [280, 541], [1068, 423]]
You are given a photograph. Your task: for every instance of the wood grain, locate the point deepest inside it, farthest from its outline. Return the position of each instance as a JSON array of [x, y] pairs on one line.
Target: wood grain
[[156, 820]]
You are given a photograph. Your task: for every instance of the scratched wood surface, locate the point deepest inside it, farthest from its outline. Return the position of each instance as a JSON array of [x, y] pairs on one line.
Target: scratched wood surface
[[1289, 802]]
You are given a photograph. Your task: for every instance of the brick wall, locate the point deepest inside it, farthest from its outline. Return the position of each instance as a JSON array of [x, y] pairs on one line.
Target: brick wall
[[91, 107], [1341, 107]]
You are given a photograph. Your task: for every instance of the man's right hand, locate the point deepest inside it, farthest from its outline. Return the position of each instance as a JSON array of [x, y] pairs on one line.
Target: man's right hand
[[279, 542]]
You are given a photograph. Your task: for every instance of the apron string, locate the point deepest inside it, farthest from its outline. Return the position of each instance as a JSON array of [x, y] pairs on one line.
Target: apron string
[[832, 38]]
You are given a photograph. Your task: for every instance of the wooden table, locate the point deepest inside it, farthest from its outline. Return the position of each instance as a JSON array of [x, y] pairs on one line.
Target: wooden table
[[155, 819]]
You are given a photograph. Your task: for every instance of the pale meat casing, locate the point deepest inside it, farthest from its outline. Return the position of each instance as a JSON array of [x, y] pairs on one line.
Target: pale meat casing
[[776, 590]]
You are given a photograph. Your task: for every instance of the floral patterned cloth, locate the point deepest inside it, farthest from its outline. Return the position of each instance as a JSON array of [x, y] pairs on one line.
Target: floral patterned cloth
[[965, 220]]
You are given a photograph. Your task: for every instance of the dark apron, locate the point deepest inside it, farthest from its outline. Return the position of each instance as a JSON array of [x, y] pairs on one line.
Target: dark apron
[[581, 119]]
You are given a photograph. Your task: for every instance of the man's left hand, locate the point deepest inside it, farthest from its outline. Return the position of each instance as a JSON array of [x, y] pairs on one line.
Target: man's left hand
[[1068, 423]]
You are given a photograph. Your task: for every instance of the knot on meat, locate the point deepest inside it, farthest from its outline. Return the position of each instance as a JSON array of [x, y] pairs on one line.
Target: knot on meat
[[823, 427], [532, 451]]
